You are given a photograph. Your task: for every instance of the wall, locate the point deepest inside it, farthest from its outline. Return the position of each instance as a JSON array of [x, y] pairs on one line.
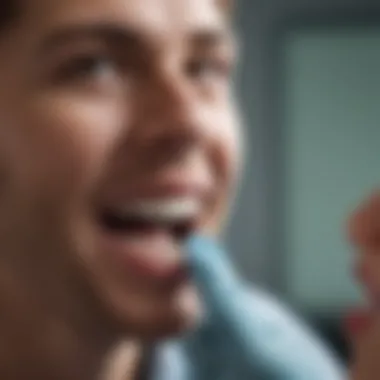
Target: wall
[[256, 235], [332, 158]]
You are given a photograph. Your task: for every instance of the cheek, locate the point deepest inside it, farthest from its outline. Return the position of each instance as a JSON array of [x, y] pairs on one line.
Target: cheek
[[58, 146], [229, 149], [227, 159]]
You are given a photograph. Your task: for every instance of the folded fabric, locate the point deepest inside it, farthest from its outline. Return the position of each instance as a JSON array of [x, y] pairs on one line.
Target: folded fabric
[[247, 334]]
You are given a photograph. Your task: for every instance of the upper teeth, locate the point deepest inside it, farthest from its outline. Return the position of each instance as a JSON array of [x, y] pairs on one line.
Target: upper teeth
[[163, 210]]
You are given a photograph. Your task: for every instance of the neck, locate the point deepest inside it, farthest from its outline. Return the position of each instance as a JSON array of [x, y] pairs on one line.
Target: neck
[[63, 355]]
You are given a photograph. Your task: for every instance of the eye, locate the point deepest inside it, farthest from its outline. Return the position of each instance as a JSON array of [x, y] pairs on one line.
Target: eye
[[89, 67], [208, 68]]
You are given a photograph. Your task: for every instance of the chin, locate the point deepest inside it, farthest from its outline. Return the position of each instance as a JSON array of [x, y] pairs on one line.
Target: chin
[[160, 318], [166, 328]]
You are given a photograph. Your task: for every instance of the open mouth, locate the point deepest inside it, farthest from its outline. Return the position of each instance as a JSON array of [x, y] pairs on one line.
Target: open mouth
[[147, 236], [177, 217]]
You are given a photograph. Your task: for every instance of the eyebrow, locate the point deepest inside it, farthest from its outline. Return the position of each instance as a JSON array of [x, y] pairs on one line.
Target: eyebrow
[[109, 32], [202, 38], [210, 38]]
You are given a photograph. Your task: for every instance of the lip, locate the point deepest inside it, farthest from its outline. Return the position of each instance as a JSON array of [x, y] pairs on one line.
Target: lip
[[148, 259], [155, 259], [202, 191]]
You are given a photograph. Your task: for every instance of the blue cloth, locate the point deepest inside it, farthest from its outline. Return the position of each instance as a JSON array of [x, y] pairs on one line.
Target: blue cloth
[[246, 334]]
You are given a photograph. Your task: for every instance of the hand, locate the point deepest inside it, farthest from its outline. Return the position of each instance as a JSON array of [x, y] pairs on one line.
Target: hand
[[364, 233], [365, 339]]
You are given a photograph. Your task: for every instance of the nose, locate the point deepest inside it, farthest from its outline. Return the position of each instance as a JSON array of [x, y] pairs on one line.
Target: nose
[[172, 118]]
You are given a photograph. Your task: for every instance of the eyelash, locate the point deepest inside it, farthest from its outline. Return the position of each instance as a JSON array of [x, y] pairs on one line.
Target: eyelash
[[215, 67], [96, 66], [88, 66]]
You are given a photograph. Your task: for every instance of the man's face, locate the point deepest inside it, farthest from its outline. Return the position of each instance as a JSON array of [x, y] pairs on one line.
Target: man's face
[[117, 139]]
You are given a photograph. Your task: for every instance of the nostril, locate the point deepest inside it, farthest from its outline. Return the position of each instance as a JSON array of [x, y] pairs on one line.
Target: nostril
[[172, 142]]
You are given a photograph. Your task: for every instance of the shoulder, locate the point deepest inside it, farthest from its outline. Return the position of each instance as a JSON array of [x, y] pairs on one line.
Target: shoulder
[[283, 342], [268, 307], [287, 337]]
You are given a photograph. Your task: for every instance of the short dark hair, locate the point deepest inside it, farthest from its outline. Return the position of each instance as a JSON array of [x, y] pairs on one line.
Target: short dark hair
[[8, 12]]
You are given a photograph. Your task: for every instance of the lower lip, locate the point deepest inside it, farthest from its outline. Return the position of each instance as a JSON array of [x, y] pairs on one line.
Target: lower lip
[[150, 254]]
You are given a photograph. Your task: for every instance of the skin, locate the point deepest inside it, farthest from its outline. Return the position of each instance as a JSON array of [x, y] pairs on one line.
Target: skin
[[151, 102], [364, 233]]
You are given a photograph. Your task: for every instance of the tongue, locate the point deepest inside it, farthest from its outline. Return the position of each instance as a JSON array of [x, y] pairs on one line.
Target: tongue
[[151, 247], [152, 250]]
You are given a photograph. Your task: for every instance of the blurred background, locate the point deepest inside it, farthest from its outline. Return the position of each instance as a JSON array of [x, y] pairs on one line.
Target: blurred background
[[309, 85]]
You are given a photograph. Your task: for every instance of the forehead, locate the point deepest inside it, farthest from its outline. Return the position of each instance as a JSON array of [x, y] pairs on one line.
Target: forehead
[[156, 18]]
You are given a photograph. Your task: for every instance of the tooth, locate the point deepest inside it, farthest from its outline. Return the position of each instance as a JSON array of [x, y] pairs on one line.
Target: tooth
[[163, 209]]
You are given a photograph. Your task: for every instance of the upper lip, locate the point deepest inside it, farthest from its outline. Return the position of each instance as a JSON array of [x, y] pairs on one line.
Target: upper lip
[[126, 194], [202, 192]]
